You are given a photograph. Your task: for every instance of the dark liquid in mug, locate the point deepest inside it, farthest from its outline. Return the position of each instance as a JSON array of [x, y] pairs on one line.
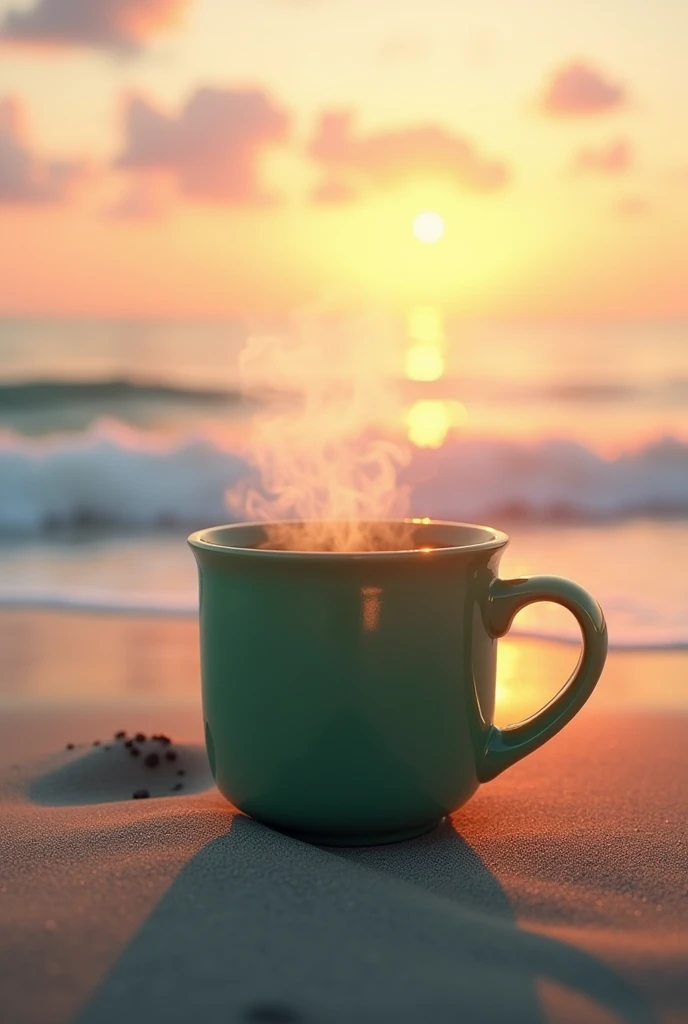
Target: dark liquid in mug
[[272, 546]]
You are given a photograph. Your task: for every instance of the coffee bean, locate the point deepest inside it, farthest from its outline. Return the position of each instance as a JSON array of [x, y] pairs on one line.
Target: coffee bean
[[171, 755], [140, 737], [152, 761], [129, 743], [181, 772], [96, 743], [177, 786], [165, 740], [140, 794], [135, 752], [70, 746], [120, 735]]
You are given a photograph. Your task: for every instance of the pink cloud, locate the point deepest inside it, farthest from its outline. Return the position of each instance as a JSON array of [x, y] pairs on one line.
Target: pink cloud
[[26, 177], [579, 90], [353, 161], [614, 158], [110, 24], [211, 148]]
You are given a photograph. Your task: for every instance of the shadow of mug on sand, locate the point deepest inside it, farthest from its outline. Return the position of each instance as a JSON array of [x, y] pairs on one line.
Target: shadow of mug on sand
[[262, 928]]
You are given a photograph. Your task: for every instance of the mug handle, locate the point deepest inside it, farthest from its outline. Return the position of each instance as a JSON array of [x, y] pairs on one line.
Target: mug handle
[[507, 597]]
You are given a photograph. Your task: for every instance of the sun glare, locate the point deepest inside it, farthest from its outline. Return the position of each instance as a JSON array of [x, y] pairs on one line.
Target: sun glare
[[428, 227], [424, 324], [425, 356], [429, 420], [428, 423], [424, 362]]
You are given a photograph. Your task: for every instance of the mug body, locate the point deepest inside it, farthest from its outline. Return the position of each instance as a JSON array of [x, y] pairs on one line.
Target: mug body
[[347, 697]]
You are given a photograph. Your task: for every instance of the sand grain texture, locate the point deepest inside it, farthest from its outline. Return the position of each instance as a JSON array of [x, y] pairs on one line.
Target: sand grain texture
[[560, 890], [558, 894]]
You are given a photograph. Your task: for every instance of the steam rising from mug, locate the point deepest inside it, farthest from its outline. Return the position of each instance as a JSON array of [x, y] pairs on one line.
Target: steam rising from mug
[[327, 453]]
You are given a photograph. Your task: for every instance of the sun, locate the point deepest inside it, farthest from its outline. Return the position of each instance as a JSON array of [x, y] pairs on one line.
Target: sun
[[428, 226]]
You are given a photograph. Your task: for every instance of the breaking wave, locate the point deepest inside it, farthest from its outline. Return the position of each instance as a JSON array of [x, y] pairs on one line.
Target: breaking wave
[[115, 476]]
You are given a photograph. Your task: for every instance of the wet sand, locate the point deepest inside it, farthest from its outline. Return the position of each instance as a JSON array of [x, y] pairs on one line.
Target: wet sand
[[560, 893]]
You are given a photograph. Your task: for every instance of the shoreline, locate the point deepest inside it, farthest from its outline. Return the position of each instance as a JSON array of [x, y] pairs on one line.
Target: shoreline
[[64, 655], [141, 611], [154, 576]]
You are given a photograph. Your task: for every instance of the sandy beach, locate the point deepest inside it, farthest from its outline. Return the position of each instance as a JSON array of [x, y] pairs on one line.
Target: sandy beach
[[317, 267], [558, 894]]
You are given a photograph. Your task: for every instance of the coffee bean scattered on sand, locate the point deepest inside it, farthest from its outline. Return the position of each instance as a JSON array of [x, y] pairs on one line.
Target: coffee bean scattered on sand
[[138, 744]]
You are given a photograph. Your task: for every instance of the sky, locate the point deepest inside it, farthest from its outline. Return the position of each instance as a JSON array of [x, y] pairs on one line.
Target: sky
[[186, 158]]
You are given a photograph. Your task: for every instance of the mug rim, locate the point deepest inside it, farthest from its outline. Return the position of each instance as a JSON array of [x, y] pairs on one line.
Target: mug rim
[[494, 539]]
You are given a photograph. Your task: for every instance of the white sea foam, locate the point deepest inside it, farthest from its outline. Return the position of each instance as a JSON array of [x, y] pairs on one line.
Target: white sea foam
[[113, 475], [550, 478]]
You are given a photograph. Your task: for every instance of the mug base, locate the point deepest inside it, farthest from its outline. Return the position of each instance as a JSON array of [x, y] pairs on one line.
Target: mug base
[[368, 839]]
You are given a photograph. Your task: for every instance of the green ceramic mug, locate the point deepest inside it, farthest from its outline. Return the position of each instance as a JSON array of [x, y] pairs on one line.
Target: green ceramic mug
[[348, 698]]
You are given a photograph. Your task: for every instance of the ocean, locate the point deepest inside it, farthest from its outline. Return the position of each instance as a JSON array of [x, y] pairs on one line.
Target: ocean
[[119, 437]]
